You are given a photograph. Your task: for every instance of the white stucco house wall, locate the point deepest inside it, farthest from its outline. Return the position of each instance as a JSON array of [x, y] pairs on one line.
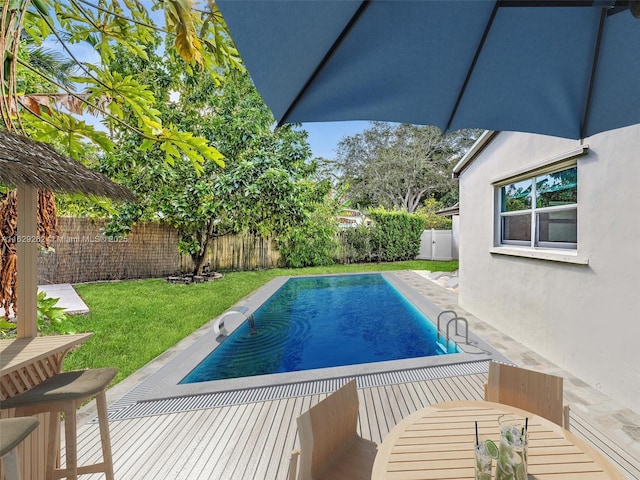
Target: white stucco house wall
[[563, 275]]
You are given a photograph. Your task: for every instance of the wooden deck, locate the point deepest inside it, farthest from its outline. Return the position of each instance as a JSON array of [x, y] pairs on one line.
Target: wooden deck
[[253, 440]]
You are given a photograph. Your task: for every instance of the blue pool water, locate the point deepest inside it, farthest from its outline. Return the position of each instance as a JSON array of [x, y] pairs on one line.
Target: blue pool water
[[317, 322]]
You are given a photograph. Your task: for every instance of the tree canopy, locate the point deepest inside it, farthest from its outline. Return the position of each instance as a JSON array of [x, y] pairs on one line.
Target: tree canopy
[[47, 86], [263, 187], [399, 166], [68, 86]]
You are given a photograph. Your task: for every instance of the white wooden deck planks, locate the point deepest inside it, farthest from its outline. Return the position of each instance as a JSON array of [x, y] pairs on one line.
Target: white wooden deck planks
[[254, 440]]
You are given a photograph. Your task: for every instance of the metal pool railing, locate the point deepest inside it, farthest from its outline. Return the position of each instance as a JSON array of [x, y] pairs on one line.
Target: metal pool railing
[[455, 319]]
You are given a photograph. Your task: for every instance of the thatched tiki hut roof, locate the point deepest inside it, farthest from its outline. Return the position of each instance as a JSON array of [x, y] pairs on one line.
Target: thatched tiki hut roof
[[26, 162], [31, 166]]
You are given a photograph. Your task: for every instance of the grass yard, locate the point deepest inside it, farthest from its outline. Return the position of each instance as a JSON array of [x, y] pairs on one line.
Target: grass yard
[[135, 321]]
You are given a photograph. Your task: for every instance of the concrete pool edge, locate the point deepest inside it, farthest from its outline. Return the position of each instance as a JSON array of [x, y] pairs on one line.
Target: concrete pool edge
[[164, 382]]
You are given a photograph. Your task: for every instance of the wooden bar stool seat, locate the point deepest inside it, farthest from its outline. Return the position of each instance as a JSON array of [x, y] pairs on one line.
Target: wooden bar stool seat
[[64, 393], [12, 432]]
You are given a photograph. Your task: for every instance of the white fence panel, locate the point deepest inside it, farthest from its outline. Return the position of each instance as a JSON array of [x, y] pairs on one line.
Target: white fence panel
[[436, 245]]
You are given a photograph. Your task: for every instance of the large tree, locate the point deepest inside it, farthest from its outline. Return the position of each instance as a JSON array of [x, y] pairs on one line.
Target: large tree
[[46, 103], [399, 165], [263, 188]]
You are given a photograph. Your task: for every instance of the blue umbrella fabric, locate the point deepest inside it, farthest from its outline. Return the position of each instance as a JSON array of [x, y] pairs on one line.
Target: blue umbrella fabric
[[563, 68]]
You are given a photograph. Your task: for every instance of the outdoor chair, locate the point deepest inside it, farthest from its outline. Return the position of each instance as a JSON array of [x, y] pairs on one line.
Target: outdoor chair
[[13, 431], [536, 392], [330, 447], [64, 393]]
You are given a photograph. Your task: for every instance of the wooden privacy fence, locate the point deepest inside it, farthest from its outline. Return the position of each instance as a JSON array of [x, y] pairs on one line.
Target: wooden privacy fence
[[82, 254], [238, 253]]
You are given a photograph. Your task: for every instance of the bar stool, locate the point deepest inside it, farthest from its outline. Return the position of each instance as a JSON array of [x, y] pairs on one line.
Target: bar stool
[[64, 393], [12, 432]]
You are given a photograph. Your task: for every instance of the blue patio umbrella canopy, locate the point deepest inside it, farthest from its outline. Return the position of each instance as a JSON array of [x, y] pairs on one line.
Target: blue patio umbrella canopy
[[561, 68]]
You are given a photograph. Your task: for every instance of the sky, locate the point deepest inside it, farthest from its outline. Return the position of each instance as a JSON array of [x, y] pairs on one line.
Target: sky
[[325, 136]]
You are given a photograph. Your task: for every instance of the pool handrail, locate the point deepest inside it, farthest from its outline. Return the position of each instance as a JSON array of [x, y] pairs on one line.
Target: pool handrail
[[218, 324], [466, 324], [438, 325]]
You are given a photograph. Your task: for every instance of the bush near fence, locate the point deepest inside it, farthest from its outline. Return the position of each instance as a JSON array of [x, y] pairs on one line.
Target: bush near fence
[[397, 234], [393, 236]]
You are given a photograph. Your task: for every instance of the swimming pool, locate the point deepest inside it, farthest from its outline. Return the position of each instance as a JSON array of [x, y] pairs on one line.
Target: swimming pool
[[320, 322]]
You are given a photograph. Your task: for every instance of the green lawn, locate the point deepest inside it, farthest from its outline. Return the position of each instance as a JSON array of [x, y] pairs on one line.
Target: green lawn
[[135, 321]]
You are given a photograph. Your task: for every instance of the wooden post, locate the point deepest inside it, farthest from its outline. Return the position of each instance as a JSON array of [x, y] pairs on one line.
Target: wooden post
[[27, 262]]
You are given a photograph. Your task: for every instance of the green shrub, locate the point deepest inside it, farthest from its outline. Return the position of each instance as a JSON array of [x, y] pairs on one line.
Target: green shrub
[[430, 219], [50, 317], [398, 234], [312, 244], [358, 244], [394, 236]]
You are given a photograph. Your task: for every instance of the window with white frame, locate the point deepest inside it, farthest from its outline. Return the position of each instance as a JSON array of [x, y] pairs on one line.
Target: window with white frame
[[540, 210]]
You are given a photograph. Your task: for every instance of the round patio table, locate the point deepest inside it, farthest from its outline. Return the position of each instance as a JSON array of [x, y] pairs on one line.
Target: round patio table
[[437, 442]]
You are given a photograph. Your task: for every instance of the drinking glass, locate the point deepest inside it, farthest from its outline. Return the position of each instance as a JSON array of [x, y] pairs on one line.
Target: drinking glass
[[483, 462], [512, 456]]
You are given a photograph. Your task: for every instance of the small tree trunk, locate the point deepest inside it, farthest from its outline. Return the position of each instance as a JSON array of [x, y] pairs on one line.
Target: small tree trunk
[[200, 256], [198, 262]]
